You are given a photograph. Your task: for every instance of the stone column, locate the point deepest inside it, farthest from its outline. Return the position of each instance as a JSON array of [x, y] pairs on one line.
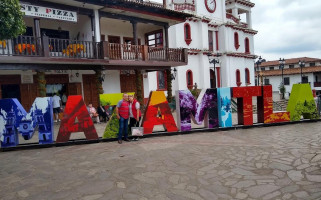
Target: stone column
[[41, 84], [96, 26], [249, 19]]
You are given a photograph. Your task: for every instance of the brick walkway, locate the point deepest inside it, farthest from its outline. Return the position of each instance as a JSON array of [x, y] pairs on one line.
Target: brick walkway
[[261, 163]]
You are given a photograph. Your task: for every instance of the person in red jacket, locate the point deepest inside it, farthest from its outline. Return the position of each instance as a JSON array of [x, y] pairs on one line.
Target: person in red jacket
[[134, 113], [122, 112]]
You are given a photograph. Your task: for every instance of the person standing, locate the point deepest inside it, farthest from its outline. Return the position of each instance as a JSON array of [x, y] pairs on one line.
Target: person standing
[[122, 113], [64, 99], [56, 104], [93, 113], [134, 113], [102, 112]]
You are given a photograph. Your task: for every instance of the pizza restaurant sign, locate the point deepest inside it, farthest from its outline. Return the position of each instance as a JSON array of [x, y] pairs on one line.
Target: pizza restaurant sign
[[51, 13]]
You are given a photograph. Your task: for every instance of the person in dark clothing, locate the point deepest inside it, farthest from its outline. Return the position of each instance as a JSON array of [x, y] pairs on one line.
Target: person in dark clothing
[[102, 112]]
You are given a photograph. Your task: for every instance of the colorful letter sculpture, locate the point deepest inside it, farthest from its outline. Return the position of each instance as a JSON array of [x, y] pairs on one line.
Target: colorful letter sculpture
[[76, 109], [301, 102], [244, 103], [13, 115], [224, 107], [158, 112], [265, 108], [204, 109]]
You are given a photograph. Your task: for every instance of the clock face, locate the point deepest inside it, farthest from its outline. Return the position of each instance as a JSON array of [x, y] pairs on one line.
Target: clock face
[[210, 5]]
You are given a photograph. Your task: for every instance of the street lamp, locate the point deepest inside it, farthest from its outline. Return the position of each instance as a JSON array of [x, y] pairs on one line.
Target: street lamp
[[214, 61], [258, 63], [302, 64], [282, 63]]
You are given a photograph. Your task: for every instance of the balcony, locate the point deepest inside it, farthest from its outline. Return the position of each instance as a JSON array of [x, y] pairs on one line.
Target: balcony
[[184, 6], [52, 51]]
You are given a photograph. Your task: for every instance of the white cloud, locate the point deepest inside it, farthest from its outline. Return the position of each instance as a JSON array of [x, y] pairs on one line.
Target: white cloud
[[287, 28]]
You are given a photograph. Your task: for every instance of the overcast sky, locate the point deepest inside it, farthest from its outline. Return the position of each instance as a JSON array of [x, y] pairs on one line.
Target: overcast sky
[[287, 28]]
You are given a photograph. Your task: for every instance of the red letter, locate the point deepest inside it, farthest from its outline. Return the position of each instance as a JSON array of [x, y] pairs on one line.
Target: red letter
[[76, 108], [158, 113], [265, 108], [244, 103]]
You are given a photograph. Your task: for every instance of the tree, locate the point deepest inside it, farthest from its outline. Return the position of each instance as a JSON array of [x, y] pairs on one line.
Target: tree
[[11, 22]]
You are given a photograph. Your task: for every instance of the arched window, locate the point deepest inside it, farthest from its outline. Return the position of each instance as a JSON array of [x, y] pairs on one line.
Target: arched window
[[187, 33], [247, 45], [238, 78], [247, 76], [189, 79], [236, 40]]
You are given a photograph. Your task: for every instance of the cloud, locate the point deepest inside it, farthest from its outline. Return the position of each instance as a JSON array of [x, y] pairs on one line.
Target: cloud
[[287, 28]]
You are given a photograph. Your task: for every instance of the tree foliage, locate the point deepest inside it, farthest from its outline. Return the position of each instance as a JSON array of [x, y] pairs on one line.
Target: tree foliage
[[11, 22]]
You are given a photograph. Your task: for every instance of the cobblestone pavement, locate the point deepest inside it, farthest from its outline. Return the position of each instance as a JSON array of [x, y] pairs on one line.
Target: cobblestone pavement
[[281, 162]]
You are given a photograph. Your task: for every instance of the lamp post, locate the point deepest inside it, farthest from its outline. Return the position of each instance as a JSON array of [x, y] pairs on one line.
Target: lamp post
[[282, 63], [214, 61], [302, 64], [258, 63]]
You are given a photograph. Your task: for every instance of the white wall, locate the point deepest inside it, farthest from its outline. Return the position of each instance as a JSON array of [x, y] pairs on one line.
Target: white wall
[[113, 27], [218, 15], [275, 81], [112, 81], [83, 26]]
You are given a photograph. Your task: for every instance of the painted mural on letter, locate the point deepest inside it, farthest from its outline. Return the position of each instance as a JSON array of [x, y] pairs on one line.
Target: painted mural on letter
[[202, 109], [158, 112], [13, 117], [224, 107]]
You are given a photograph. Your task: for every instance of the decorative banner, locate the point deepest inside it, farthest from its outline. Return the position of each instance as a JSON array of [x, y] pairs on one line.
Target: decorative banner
[[244, 103], [112, 99], [158, 112], [13, 115], [45, 12], [301, 103], [204, 109], [224, 107], [76, 109], [265, 108]]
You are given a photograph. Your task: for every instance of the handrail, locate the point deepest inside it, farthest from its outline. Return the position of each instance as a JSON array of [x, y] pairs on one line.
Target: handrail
[[73, 48], [21, 46], [125, 51]]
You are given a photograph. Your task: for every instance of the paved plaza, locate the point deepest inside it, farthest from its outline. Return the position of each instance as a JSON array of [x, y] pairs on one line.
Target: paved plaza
[[281, 162]]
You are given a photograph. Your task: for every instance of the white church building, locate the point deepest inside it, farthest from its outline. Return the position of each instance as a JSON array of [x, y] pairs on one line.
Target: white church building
[[217, 30]]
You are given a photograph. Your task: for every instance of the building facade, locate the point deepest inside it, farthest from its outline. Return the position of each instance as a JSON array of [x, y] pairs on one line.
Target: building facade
[[74, 46], [216, 30], [271, 73]]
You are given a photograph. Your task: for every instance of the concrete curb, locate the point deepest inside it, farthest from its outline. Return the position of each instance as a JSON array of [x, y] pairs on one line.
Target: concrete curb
[[155, 134]]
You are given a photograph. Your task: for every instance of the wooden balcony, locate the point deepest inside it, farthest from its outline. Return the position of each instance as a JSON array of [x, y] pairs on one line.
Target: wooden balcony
[[50, 53]]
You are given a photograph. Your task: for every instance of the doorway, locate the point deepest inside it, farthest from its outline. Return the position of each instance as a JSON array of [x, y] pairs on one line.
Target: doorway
[[212, 80], [11, 91], [114, 47]]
